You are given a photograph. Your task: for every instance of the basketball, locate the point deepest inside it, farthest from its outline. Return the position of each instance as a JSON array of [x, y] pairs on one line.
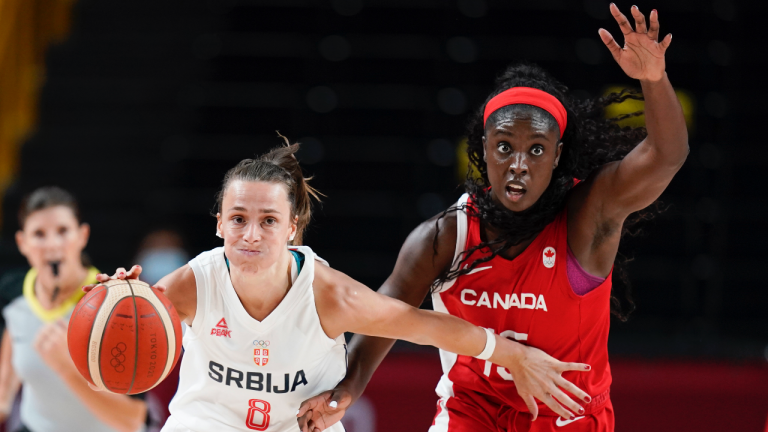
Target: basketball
[[124, 336]]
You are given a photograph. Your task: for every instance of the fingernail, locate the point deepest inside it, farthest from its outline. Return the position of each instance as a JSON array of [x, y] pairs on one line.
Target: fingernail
[[587, 367], [333, 404], [634, 7], [588, 399], [572, 417], [581, 410]]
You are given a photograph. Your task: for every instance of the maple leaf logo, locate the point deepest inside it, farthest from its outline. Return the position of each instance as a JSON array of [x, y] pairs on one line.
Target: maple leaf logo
[[549, 253]]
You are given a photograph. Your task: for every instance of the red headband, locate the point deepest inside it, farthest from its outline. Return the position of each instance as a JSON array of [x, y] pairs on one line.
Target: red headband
[[528, 96]]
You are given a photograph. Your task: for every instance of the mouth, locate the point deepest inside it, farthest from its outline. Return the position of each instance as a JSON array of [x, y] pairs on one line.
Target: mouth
[[515, 191], [249, 252]]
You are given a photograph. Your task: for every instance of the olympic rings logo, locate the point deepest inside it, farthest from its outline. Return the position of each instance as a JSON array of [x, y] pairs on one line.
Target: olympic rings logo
[[261, 343], [118, 357]]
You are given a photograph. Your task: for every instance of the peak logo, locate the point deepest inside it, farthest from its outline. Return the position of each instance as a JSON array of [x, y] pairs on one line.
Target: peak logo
[[221, 329], [525, 301]]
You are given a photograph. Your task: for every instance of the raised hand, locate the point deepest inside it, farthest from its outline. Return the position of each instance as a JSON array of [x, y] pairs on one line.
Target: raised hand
[[642, 57], [320, 412], [51, 343]]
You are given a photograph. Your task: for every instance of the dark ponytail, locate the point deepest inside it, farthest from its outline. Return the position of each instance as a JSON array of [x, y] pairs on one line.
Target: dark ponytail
[[279, 165]]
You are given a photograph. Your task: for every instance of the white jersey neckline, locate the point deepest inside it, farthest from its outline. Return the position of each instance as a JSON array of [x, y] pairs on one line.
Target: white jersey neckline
[[304, 278]]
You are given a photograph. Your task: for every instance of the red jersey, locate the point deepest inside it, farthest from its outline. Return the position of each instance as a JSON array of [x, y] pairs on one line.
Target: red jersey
[[528, 299]]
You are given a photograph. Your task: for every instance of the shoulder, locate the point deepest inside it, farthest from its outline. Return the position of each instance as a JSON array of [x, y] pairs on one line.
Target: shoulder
[[207, 258], [329, 283], [434, 241], [181, 290]]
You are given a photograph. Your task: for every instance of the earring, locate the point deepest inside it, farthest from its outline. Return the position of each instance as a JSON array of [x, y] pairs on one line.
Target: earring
[[218, 234]]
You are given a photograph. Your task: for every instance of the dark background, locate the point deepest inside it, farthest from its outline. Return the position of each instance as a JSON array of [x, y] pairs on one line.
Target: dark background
[[148, 103]]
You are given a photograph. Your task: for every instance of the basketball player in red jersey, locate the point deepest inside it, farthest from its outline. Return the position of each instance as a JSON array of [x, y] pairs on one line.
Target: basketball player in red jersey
[[528, 252]]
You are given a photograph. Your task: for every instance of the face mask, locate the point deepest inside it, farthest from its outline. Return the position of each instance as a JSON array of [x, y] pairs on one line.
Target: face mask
[[156, 263]]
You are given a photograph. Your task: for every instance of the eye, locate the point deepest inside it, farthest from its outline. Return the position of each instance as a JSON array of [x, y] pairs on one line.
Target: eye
[[39, 234], [238, 219], [503, 147], [270, 221], [537, 150], [62, 230]]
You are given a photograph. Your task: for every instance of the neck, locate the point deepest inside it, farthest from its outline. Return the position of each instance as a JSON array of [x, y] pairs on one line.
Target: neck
[[260, 291], [67, 282], [488, 234]]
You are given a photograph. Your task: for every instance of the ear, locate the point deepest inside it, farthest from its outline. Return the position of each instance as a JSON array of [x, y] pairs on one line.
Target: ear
[[294, 228], [558, 152], [20, 242], [218, 226], [484, 157], [85, 234]]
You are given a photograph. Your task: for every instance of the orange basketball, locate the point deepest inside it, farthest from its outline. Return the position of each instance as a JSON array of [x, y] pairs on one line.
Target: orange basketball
[[124, 336]]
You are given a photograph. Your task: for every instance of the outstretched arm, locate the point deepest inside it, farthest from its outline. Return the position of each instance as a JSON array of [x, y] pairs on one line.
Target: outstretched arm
[[599, 207], [645, 172], [346, 305]]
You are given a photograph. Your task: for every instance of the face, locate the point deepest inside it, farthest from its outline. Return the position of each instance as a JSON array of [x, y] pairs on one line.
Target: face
[[256, 223], [53, 234], [521, 152]]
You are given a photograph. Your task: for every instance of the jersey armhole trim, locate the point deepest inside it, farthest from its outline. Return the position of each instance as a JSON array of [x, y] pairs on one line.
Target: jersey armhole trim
[[202, 290], [462, 225]]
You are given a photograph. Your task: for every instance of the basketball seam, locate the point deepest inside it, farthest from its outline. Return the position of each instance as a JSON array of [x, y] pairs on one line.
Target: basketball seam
[[101, 343], [135, 332], [90, 338], [80, 306], [167, 349], [164, 314]]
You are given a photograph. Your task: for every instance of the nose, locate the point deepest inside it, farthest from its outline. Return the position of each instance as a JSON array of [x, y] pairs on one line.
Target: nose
[[518, 164], [252, 233]]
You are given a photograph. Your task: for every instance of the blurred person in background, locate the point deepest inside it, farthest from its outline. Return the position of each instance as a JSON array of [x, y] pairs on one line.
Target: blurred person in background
[[34, 354], [529, 250], [160, 253]]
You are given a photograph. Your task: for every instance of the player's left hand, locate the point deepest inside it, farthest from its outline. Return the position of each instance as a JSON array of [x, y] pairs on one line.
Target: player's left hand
[[51, 344], [320, 412], [642, 57]]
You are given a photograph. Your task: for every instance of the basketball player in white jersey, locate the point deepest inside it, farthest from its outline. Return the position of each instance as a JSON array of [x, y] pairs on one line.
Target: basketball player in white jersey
[[267, 322]]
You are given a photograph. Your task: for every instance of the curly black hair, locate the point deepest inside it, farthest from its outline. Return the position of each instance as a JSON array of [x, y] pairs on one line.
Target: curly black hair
[[590, 141]]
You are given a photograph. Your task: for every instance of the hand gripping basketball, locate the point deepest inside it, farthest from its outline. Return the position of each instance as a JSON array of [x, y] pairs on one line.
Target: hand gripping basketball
[[124, 336]]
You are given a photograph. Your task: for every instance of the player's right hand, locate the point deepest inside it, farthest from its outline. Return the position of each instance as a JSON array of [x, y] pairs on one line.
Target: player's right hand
[[538, 375], [320, 412], [120, 273]]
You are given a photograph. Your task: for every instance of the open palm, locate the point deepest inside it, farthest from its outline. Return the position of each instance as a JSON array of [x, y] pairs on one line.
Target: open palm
[[642, 57]]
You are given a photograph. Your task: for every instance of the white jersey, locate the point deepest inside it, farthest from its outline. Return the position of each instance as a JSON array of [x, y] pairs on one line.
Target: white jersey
[[240, 374]]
